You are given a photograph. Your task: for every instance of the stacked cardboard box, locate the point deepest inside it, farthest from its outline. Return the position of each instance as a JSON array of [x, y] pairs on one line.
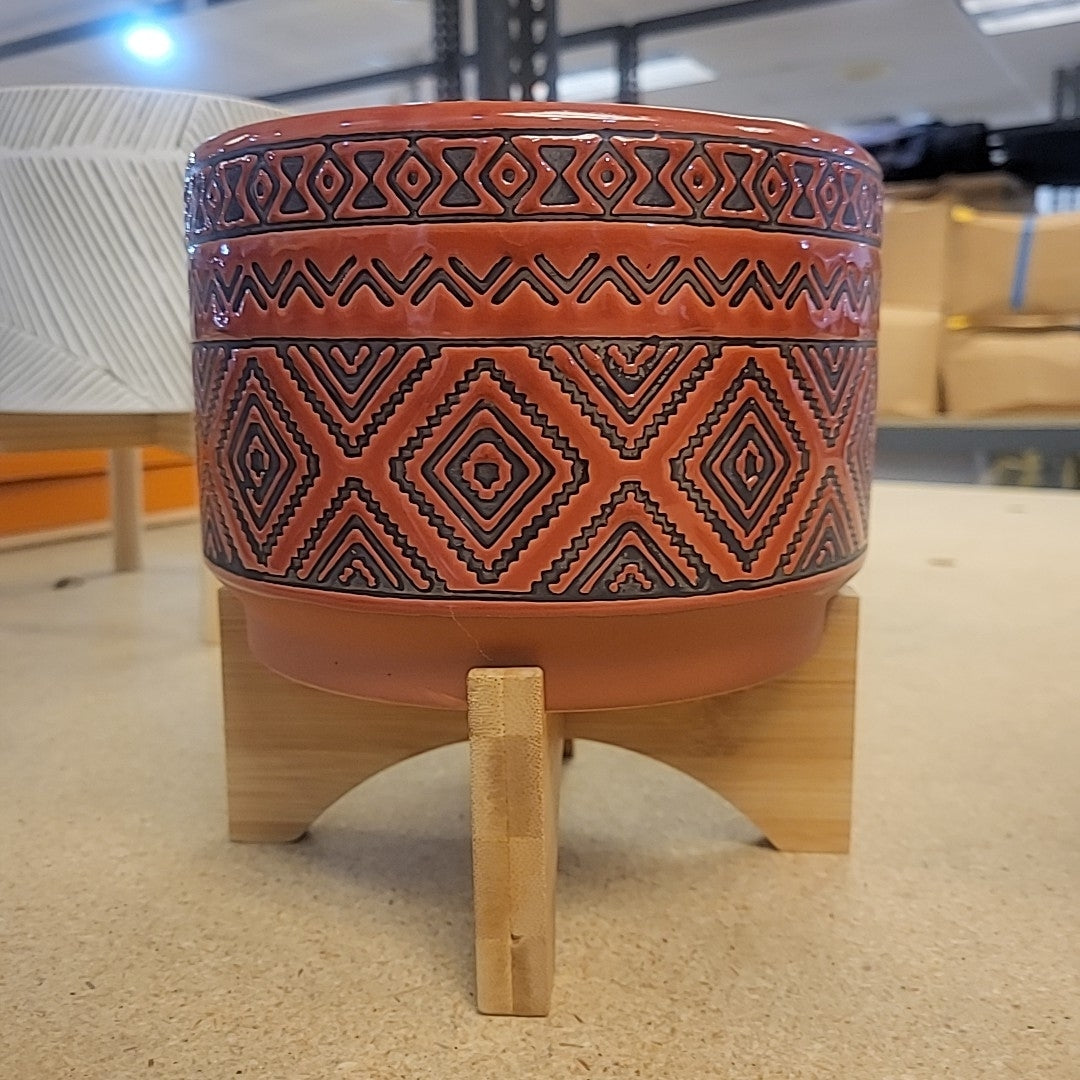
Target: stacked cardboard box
[[913, 256], [915, 270], [1011, 371], [980, 302], [1004, 265], [1013, 297]]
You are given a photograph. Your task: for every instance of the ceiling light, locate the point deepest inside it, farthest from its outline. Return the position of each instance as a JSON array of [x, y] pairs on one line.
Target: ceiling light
[[656, 73], [980, 7], [1014, 16], [148, 42]]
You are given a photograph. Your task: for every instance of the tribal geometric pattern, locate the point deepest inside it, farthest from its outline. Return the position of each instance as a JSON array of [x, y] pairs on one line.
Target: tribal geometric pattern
[[859, 452], [423, 470], [533, 175], [370, 283], [568, 358], [266, 463], [744, 464], [629, 388], [487, 471], [629, 549], [355, 547], [346, 382], [827, 374], [826, 536]]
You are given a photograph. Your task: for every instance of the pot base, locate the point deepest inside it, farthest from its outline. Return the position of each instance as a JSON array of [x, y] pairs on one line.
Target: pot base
[[590, 661]]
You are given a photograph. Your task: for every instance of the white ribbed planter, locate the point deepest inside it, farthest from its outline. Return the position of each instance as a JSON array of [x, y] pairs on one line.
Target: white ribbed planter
[[93, 286]]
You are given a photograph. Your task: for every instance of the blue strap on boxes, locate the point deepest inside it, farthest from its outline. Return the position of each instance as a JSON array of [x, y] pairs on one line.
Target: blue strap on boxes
[[1018, 293]]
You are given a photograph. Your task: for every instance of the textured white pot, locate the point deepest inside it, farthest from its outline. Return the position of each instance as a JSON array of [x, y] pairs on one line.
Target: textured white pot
[[93, 287]]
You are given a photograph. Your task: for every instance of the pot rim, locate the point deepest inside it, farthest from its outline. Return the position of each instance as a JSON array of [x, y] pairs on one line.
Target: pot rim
[[433, 117]]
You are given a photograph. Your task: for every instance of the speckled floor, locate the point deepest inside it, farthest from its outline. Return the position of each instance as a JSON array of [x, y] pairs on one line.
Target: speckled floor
[[135, 941]]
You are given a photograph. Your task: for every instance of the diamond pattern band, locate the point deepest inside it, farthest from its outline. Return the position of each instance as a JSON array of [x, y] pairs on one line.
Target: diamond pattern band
[[408, 469]]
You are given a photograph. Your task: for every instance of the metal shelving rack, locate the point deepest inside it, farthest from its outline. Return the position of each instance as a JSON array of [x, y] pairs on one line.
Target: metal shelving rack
[[1034, 450]]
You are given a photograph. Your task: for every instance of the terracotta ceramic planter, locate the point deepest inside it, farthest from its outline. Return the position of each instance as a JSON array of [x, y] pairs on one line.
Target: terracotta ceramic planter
[[495, 384]]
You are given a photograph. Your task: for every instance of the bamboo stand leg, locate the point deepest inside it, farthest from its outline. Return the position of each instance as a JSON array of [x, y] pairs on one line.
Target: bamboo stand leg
[[516, 757], [291, 751], [781, 752], [125, 491]]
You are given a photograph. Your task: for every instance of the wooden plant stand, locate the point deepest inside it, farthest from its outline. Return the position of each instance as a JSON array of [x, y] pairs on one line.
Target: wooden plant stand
[[780, 752]]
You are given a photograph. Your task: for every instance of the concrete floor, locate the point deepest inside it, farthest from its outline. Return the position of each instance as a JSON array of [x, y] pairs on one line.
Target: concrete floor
[[135, 941]]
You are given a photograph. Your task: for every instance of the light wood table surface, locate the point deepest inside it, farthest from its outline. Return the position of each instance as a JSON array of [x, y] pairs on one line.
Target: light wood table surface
[[136, 941]]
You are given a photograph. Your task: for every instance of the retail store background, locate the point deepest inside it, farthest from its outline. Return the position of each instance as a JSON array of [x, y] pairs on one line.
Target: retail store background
[[948, 356]]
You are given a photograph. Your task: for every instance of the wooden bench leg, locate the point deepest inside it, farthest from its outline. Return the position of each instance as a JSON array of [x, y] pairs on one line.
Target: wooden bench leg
[[516, 751], [291, 751], [126, 502], [780, 752]]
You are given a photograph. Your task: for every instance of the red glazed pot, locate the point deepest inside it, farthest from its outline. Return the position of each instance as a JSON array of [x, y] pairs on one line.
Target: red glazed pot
[[585, 387]]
